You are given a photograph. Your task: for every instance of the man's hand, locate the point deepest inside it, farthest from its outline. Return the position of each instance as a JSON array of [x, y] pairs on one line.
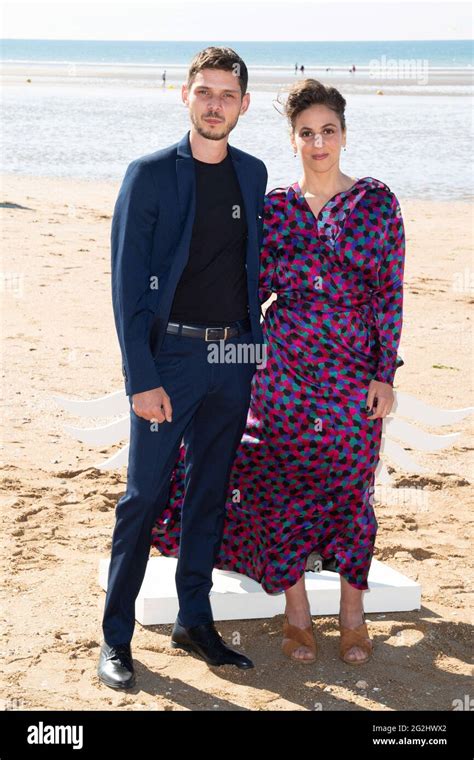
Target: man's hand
[[382, 393], [154, 405]]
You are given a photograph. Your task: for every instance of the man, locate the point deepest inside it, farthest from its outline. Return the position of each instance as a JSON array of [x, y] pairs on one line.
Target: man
[[185, 238]]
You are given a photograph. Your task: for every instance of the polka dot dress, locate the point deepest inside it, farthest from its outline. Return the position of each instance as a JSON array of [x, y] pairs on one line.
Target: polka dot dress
[[303, 477]]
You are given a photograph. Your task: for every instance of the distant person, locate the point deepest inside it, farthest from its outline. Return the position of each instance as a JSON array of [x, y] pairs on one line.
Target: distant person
[[302, 69], [163, 77], [296, 67]]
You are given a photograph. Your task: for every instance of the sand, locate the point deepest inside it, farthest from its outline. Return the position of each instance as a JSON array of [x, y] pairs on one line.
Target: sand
[[420, 77], [58, 510]]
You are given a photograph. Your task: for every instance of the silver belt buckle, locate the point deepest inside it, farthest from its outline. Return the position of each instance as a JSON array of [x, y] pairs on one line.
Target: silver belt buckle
[[216, 328]]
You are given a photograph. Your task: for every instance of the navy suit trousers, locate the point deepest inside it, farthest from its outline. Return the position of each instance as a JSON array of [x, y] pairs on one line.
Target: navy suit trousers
[[210, 403]]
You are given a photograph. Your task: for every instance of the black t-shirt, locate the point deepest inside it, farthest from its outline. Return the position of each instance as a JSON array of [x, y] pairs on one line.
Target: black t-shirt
[[212, 289]]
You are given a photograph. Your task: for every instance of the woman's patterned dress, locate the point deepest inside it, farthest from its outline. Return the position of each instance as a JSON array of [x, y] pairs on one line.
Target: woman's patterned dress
[[303, 477]]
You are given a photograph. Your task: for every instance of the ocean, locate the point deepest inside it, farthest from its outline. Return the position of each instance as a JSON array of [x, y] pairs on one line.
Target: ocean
[[440, 53], [91, 107]]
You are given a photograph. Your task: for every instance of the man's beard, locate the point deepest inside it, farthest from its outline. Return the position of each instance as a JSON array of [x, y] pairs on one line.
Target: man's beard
[[209, 134]]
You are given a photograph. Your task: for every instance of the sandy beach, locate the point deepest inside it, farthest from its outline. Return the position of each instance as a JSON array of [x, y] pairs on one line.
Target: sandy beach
[[422, 77], [58, 509]]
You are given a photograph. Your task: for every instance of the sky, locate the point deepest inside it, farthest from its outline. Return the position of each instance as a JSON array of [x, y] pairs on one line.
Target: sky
[[237, 20]]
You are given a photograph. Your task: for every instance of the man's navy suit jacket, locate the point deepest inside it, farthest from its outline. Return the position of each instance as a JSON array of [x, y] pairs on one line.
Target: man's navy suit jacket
[[150, 237]]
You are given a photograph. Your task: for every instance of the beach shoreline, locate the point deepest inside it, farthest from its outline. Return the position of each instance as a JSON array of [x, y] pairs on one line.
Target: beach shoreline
[[420, 80]]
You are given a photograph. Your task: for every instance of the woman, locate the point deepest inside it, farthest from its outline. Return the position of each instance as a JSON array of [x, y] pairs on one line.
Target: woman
[[302, 481]]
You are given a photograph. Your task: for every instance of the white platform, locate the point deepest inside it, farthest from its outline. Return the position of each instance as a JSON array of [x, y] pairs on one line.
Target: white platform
[[236, 597]]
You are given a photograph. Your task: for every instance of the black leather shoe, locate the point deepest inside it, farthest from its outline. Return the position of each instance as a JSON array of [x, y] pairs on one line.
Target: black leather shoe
[[208, 644], [115, 667]]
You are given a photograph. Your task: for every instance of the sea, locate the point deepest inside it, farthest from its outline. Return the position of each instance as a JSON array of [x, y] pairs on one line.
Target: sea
[[85, 109]]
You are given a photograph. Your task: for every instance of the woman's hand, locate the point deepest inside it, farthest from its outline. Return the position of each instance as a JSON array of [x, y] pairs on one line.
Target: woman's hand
[[382, 393]]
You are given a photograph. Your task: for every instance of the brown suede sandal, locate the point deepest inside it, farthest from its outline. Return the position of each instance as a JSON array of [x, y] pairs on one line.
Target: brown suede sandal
[[358, 637], [295, 637]]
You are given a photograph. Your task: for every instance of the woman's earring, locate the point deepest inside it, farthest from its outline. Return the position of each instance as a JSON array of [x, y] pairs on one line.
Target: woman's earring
[[344, 147]]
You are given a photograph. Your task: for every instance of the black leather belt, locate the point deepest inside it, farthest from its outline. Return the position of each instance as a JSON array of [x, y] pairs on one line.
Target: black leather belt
[[210, 333]]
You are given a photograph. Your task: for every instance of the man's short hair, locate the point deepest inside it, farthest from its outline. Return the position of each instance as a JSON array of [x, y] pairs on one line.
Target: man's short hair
[[223, 58]]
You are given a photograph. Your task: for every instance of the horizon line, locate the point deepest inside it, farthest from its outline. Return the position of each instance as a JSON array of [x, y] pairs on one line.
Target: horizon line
[[88, 39]]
